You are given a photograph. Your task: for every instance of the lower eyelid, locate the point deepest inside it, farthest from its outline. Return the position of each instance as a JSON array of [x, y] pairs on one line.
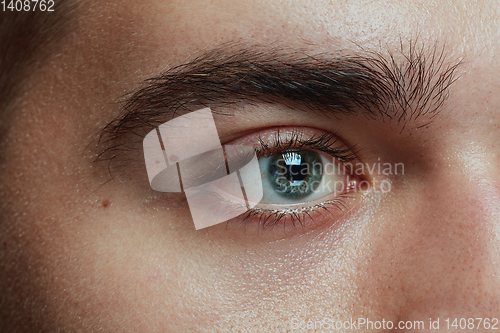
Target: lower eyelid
[[293, 220], [303, 214]]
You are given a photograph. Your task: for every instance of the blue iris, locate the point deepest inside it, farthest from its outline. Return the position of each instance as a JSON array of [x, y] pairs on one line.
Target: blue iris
[[295, 174]]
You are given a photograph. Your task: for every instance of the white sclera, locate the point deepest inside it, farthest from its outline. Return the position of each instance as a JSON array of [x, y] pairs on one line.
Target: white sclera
[[192, 141], [203, 168], [222, 199], [250, 173]]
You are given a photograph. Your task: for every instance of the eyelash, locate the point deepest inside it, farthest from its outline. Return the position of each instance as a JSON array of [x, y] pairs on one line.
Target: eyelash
[[270, 218], [326, 143]]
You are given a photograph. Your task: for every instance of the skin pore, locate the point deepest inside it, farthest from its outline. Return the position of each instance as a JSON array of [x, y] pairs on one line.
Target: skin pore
[[82, 250]]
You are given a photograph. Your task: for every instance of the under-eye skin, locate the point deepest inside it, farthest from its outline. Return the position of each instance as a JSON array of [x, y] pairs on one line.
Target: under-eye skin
[[304, 179]]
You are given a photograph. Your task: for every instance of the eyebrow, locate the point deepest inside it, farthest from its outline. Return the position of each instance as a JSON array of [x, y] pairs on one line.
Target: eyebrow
[[398, 86]]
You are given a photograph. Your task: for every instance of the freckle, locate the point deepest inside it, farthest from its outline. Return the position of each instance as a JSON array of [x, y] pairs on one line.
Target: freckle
[[106, 203]]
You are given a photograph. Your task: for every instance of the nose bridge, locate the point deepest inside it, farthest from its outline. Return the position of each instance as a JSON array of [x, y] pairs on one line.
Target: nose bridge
[[451, 251], [463, 192]]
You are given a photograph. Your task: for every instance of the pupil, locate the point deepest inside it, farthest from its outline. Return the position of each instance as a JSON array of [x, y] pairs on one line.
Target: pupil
[[296, 172]]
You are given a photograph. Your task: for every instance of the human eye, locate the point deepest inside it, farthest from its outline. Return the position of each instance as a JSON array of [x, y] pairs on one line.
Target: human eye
[[279, 175], [305, 176]]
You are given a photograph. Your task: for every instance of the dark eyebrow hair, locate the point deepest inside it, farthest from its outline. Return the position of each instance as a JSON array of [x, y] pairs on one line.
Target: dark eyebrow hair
[[400, 86]]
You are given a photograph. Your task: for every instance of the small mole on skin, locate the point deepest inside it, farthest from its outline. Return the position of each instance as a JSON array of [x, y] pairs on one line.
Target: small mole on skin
[[106, 203]]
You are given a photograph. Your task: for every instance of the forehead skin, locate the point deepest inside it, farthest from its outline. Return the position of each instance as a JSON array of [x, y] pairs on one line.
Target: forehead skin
[[80, 256]]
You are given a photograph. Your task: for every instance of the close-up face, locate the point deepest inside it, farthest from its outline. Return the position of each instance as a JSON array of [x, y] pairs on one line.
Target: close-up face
[[375, 127]]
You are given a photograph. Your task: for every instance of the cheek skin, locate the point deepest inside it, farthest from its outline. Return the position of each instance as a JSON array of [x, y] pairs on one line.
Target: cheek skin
[[435, 249], [80, 256], [108, 258], [130, 268], [104, 256]]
